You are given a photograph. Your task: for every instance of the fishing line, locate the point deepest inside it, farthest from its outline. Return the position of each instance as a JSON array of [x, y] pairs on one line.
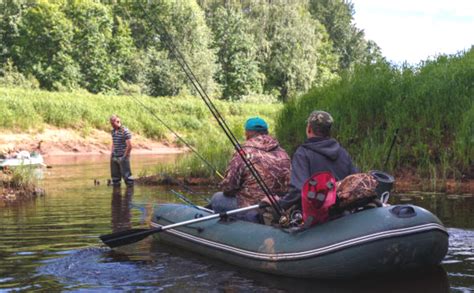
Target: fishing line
[[195, 82], [220, 120], [179, 137]]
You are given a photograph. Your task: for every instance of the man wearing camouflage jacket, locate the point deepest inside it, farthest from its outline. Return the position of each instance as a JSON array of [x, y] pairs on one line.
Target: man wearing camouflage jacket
[[239, 187]]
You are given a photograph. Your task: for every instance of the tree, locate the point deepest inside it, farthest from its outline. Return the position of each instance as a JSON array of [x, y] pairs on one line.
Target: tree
[[43, 47], [94, 44], [10, 13], [122, 49], [184, 22], [349, 41], [294, 50], [236, 53]]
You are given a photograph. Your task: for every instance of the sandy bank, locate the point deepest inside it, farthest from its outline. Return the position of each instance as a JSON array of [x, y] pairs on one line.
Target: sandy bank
[[57, 142]]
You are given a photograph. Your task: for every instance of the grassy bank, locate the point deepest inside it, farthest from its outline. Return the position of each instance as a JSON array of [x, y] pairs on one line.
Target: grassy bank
[[18, 184], [32, 110], [431, 105]]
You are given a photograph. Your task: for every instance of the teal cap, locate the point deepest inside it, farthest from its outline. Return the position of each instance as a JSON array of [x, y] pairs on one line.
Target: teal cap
[[256, 124]]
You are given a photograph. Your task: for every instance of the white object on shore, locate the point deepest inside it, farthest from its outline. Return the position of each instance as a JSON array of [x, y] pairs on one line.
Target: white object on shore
[[23, 158]]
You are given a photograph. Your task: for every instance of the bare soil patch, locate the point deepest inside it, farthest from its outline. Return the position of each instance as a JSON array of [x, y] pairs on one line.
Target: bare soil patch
[[54, 141]]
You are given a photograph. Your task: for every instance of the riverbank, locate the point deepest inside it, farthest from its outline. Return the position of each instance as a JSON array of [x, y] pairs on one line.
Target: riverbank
[[18, 184], [10, 195], [403, 183], [52, 141]]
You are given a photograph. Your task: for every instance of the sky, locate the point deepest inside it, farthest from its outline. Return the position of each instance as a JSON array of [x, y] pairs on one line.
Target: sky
[[416, 30]]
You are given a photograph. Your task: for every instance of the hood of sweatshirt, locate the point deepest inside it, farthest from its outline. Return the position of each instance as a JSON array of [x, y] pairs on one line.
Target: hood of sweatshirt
[[327, 147]]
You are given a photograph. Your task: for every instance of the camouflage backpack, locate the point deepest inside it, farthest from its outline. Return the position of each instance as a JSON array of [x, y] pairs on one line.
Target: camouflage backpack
[[362, 185]]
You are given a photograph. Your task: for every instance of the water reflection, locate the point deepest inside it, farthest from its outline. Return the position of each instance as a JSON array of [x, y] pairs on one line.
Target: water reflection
[[453, 211], [433, 280], [150, 266], [121, 215], [51, 244], [227, 278]]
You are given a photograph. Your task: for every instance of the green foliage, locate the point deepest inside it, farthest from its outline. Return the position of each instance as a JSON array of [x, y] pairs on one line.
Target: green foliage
[[349, 41], [94, 41], [21, 178], [11, 77], [430, 105], [10, 14], [236, 52], [43, 47], [214, 146], [236, 49], [294, 49], [187, 115], [185, 23]]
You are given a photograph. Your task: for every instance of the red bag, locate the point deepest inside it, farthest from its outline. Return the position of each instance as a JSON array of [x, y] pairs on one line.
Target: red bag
[[317, 196]]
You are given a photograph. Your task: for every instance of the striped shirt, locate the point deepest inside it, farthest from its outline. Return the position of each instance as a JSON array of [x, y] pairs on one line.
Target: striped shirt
[[119, 138]]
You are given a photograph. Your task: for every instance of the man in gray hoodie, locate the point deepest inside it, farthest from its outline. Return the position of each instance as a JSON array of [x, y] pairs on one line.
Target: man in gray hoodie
[[318, 153]]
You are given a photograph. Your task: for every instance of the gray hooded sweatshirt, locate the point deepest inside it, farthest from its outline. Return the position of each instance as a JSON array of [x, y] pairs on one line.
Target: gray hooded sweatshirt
[[316, 154]]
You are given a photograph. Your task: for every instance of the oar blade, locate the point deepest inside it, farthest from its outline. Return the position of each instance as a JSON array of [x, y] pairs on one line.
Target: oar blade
[[126, 237]]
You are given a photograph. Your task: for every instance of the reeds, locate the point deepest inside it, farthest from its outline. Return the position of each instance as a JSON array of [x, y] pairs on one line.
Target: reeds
[[431, 104]]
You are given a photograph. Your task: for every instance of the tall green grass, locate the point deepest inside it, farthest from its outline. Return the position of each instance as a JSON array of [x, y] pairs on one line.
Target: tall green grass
[[22, 178], [431, 104]]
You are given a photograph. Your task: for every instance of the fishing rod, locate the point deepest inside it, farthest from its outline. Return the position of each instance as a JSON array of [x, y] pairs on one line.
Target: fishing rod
[[180, 138], [187, 188], [395, 135], [394, 139], [220, 120], [189, 202]]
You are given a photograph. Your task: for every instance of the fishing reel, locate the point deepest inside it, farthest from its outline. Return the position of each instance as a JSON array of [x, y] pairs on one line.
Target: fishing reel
[[294, 219]]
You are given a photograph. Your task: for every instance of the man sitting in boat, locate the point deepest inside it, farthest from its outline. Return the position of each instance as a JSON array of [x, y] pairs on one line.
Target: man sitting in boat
[[320, 152], [239, 187]]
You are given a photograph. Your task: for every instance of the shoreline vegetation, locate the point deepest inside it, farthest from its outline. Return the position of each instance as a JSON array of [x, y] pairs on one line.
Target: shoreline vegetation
[[18, 184], [432, 106], [403, 183], [120, 62]]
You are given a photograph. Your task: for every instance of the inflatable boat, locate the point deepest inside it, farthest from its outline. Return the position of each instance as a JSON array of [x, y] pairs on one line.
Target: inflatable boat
[[372, 241]]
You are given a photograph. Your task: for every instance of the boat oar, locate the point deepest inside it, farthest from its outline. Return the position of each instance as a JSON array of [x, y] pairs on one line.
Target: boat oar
[[134, 235]]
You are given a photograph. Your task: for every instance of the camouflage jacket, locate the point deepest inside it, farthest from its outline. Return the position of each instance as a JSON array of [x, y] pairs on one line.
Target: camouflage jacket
[[272, 163]]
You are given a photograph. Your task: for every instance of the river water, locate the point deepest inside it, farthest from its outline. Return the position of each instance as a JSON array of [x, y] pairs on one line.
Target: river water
[[51, 243]]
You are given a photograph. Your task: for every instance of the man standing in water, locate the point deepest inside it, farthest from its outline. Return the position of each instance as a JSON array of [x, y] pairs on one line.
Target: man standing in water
[[120, 156]]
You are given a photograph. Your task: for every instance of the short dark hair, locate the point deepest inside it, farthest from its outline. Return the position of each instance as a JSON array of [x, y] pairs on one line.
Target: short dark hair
[[260, 131], [320, 130], [320, 122]]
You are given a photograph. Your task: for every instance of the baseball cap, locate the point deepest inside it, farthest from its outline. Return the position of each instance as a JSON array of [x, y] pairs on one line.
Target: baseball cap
[[320, 118], [256, 124]]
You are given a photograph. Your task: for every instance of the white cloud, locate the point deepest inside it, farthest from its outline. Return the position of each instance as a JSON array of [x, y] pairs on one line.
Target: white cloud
[[416, 30]]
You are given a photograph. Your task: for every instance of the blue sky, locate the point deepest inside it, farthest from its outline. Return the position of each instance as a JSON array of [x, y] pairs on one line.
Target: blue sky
[[415, 30]]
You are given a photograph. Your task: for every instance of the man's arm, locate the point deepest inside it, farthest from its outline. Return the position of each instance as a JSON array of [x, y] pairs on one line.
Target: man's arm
[[299, 174], [129, 148], [128, 142], [233, 176]]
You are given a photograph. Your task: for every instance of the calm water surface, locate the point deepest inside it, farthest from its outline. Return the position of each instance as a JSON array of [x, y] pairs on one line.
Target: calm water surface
[[51, 244]]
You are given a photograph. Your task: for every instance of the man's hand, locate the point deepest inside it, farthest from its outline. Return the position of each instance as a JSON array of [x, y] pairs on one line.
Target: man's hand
[[266, 200]]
